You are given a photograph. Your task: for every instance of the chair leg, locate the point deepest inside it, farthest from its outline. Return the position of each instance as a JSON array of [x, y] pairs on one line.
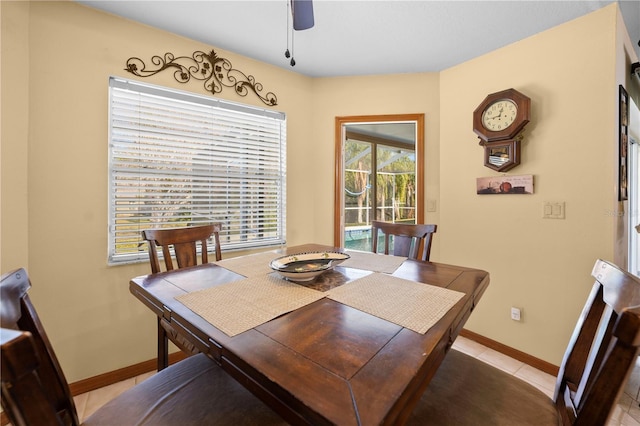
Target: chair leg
[[163, 347]]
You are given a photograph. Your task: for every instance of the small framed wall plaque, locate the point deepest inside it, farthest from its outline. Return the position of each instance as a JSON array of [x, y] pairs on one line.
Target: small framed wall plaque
[[522, 184]]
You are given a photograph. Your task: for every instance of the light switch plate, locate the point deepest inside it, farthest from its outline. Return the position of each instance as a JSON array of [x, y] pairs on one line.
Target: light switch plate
[[553, 210]]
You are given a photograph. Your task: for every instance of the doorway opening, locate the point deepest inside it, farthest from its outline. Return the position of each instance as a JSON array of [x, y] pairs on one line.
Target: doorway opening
[[379, 164]]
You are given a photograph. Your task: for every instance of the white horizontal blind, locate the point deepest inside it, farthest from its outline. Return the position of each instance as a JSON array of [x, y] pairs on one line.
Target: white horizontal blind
[[179, 159]]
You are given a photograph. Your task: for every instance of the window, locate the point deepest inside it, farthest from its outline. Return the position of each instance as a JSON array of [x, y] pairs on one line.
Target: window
[[179, 159]]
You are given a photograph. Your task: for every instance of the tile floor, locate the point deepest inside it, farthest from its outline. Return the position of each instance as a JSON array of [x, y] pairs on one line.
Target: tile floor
[[627, 413]]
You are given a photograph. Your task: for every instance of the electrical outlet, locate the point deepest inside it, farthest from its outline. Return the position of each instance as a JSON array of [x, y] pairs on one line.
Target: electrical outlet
[[515, 314]]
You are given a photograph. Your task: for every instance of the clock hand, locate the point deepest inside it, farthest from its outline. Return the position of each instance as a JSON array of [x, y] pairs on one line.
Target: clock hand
[[497, 116]]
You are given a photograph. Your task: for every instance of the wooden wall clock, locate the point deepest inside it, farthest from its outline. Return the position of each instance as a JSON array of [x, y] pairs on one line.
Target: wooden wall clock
[[498, 121]]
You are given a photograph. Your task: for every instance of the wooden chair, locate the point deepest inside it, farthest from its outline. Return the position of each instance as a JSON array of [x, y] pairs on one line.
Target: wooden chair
[[183, 242], [412, 241], [195, 391], [599, 359]]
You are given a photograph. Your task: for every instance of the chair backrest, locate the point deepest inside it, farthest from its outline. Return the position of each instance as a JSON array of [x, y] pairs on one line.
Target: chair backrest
[[412, 241], [34, 388], [603, 348], [184, 243]]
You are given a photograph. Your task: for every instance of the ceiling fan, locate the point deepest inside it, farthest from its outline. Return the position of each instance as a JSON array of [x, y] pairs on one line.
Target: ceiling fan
[[302, 13]]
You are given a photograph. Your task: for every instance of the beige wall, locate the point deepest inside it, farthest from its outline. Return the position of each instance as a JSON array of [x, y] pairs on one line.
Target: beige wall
[[540, 265], [54, 114], [56, 60], [14, 86]]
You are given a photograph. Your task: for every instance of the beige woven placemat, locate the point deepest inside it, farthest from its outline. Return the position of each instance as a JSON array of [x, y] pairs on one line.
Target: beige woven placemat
[[250, 266], [407, 303], [241, 305], [373, 262]]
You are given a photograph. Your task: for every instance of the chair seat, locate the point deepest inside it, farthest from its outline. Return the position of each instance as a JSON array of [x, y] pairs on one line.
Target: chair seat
[[207, 396], [467, 391]]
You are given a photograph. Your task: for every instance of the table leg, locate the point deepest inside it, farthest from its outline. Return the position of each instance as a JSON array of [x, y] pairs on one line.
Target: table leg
[[163, 347]]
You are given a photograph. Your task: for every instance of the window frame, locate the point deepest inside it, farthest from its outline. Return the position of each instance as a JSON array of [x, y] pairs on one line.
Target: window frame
[[253, 176]]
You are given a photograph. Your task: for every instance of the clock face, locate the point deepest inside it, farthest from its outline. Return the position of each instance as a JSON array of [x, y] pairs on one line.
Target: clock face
[[499, 115]]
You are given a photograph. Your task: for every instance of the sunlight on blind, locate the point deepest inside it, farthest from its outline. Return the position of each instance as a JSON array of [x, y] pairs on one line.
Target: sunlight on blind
[[179, 159]]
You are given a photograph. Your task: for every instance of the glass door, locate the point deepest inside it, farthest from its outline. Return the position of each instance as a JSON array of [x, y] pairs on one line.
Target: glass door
[[380, 169], [395, 176], [358, 201]]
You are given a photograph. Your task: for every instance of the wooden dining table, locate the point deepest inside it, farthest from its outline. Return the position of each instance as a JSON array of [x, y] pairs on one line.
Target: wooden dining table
[[326, 362]]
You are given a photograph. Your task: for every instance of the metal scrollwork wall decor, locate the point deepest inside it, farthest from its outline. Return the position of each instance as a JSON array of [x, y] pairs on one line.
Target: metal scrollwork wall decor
[[216, 72]]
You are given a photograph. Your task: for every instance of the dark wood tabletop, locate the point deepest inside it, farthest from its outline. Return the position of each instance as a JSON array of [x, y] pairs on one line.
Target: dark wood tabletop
[[325, 363]]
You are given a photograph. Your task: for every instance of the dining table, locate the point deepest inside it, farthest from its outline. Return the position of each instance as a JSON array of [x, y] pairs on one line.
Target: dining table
[[356, 345]]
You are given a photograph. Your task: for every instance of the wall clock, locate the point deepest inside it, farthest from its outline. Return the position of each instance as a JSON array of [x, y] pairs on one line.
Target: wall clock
[[498, 122]]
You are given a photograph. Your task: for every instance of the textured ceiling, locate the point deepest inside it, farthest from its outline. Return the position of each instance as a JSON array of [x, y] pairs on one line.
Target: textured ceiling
[[363, 37]]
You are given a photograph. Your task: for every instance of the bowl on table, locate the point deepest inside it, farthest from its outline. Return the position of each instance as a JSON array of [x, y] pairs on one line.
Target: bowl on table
[[306, 266]]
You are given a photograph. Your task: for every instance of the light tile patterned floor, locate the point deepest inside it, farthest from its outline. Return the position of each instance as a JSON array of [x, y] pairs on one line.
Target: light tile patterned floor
[[627, 413]]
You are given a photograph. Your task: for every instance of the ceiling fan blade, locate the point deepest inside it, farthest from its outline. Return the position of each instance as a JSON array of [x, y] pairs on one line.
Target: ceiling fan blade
[[302, 11]]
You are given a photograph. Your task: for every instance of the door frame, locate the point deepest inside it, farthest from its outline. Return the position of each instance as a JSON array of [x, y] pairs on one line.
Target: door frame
[[633, 206], [340, 122]]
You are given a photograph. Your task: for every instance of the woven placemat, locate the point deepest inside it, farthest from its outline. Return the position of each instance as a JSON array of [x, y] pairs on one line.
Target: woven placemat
[[242, 305], [407, 303], [373, 262], [252, 265]]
